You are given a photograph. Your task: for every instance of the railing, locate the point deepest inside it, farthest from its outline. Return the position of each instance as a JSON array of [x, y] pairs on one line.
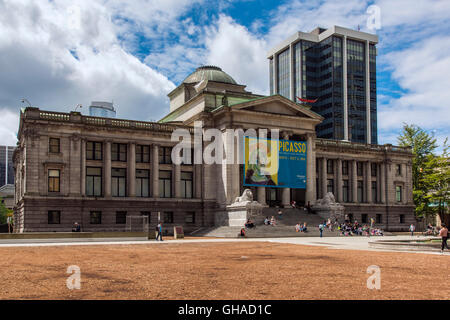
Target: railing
[[356, 145], [99, 121]]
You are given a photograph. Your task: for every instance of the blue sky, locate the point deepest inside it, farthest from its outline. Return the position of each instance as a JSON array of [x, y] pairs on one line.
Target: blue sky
[[58, 54]]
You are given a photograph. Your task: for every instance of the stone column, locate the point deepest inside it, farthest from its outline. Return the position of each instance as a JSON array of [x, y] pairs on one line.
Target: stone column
[[261, 195], [132, 170], [344, 86], [286, 192], [108, 169], [198, 181], [368, 182], [339, 180], [155, 170], [354, 182], [323, 177], [310, 194], [83, 167], [177, 180], [383, 182]]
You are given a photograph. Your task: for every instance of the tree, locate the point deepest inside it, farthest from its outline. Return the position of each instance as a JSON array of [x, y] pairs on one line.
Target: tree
[[422, 145], [4, 212], [436, 178]]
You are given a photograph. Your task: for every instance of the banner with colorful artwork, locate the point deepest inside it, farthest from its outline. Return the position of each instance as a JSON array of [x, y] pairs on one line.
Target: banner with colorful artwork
[[274, 163]]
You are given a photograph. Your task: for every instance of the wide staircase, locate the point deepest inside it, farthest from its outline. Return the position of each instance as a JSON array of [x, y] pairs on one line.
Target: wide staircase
[[285, 227]]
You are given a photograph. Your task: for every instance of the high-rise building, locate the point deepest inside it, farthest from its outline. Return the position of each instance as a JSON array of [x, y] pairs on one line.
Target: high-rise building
[[102, 109], [6, 165], [336, 66]]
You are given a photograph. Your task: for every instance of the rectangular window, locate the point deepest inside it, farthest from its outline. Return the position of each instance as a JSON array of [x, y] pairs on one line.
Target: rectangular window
[[379, 218], [374, 192], [118, 182], [373, 169], [330, 185], [93, 182], [345, 167], [186, 184], [345, 190], [146, 213], [364, 218], [360, 189], [330, 168], [94, 150], [53, 145], [142, 154], [168, 217], [54, 217], [402, 218], [119, 152], [95, 217], [121, 217], [165, 155], [398, 193], [359, 169], [190, 217], [142, 183], [398, 169], [187, 158], [53, 180], [165, 184]]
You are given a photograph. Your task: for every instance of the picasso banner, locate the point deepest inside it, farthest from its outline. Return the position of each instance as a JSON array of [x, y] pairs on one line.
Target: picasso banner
[[272, 164]]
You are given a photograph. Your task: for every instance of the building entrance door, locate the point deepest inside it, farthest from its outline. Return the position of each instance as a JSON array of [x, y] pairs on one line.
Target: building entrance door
[[273, 197]]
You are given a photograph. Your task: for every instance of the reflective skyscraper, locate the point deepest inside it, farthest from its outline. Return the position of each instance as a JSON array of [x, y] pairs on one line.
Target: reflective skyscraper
[[336, 66]]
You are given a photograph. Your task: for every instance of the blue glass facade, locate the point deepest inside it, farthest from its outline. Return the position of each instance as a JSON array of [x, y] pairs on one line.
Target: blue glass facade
[[319, 74]]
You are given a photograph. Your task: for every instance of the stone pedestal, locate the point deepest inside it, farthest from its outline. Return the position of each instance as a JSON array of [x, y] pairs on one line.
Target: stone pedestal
[[328, 208], [237, 214]]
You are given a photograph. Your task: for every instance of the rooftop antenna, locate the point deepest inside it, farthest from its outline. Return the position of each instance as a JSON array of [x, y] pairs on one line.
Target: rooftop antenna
[[23, 100]]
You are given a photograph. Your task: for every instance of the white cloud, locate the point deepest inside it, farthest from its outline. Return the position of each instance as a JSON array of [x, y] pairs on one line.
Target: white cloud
[[59, 54], [8, 129], [239, 53]]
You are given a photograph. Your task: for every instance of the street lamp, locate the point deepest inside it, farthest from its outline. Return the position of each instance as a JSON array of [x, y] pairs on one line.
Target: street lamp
[[78, 105], [23, 100]]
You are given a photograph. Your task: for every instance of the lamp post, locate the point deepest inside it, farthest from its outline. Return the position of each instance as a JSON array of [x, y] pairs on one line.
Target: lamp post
[[23, 100]]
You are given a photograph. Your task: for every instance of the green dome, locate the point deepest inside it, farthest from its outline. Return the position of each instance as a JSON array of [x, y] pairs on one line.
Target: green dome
[[211, 73]]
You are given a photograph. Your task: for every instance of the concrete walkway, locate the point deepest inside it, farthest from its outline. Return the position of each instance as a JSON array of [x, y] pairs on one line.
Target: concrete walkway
[[346, 243]]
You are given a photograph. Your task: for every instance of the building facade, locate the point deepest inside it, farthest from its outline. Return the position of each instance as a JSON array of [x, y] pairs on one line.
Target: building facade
[[6, 165], [96, 171], [337, 67]]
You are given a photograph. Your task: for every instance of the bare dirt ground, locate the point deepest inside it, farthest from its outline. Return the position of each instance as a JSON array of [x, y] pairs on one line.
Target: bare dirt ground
[[244, 270]]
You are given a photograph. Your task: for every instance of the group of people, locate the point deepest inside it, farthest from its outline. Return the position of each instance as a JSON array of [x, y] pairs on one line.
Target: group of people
[[270, 222], [301, 227], [350, 229]]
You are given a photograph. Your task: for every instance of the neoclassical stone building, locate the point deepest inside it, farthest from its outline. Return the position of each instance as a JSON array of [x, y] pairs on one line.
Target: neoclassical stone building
[[97, 171]]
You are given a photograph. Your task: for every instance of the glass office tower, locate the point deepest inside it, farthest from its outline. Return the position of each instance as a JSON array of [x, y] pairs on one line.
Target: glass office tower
[[6, 165], [336, 66]]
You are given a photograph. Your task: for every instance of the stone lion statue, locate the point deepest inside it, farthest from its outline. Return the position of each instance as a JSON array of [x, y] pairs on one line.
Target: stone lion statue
[[328, 199], [246, 196]]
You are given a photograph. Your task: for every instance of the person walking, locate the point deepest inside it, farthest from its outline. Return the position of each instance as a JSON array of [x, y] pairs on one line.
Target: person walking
[[412, 228], [159, 230], [321, 229], [444, 234]]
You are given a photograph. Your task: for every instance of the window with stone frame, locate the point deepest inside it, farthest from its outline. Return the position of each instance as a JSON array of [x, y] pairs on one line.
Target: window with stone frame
[[94, 150], [345, 167], [54, 180], [119, 152], [53, 145], [54, 217], [142, 154], [95, 217], [121, 217], [93, 182]]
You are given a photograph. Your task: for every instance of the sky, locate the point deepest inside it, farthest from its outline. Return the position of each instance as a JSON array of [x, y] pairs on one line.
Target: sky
[[60, 53]]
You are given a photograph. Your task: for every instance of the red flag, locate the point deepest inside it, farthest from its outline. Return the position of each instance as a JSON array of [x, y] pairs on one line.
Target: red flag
[[307, 100]]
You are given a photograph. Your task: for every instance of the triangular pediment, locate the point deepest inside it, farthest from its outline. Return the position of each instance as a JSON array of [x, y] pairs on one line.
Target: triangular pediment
[[278, 105]]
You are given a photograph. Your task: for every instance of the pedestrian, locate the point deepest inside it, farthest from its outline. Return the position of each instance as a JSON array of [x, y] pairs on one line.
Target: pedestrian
[[9, 222], [444, 234], [159, 230], [321, 229], [412, 228], [280, 214]]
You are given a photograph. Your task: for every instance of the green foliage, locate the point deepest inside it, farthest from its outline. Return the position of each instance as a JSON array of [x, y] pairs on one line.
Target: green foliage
[[431, 173], [4, 212]]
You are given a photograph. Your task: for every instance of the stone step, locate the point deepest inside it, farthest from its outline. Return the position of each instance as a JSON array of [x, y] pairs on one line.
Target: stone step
[[265, 232]]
